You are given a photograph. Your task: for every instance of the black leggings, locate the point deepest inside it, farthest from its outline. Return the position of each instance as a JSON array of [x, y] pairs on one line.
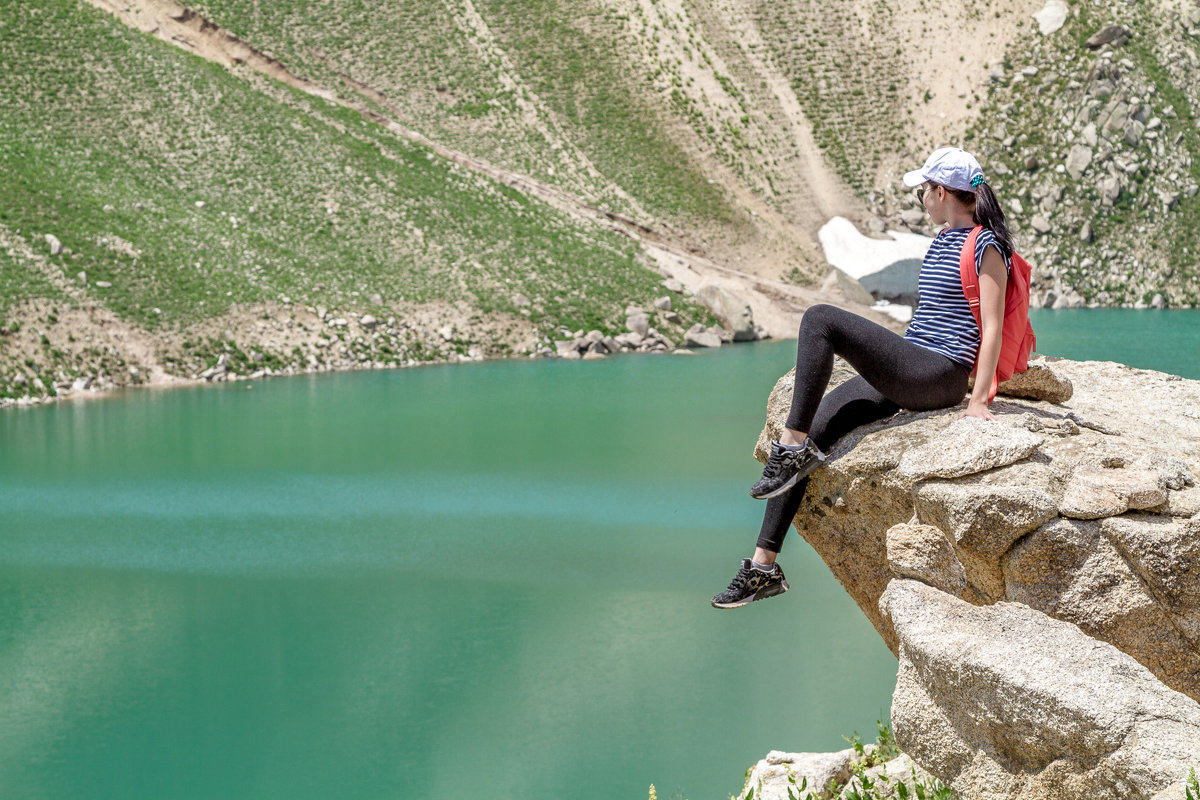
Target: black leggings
[[893, 373]]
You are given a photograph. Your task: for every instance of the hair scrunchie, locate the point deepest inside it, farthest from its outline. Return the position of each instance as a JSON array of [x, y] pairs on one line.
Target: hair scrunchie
[[978, 179]]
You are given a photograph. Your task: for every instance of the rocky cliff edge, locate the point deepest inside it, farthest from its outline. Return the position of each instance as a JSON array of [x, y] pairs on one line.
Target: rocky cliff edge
[[1038, 578]]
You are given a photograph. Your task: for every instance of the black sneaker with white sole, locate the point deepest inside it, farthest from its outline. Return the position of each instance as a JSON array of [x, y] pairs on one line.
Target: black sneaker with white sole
[[785, 466], [750, 584]]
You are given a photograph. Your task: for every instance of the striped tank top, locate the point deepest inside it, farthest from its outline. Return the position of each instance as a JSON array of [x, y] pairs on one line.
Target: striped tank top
[[943, 322]]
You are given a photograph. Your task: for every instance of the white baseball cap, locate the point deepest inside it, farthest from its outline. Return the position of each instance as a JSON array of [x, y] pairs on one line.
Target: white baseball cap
[[948, 166]]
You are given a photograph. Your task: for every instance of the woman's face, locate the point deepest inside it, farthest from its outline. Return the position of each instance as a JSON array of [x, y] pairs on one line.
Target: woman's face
[[933, 197]]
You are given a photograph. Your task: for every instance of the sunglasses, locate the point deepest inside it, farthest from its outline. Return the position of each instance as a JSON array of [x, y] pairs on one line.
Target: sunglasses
[[921, 192]]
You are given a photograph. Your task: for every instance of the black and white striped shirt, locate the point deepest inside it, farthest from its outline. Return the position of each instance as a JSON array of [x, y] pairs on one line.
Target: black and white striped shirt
[[943, 322]]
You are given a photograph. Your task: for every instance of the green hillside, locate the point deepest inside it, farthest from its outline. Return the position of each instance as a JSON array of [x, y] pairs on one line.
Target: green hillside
[[342, 184], [192, 191]]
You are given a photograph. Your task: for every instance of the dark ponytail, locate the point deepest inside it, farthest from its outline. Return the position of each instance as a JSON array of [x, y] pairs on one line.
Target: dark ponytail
[[987, 213]]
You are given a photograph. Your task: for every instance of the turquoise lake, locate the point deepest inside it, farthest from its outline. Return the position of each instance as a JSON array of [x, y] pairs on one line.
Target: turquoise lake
[[487, 579]]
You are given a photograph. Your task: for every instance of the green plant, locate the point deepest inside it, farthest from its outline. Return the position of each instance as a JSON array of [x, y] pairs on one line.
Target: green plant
[[1192, 788]]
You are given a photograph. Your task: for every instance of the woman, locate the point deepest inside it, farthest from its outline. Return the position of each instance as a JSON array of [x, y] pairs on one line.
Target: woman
[[925, 369]]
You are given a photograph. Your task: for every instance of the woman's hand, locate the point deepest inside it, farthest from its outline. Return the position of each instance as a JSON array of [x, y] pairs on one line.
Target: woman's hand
[[977, 408]]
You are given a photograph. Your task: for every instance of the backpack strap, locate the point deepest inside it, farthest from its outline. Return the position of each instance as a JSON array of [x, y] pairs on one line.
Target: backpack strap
[[969, 275]]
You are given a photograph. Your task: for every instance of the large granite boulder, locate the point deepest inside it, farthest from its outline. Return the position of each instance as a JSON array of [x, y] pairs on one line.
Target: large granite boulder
[[1005, 701], [1083, 510], [1074, 523]]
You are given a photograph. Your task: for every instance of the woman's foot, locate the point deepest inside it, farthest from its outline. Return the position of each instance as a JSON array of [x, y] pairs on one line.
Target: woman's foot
[[786, 465], [751, 583]]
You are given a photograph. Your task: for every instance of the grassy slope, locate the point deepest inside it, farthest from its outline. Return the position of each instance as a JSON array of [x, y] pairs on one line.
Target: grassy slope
[[98, 115], [446, 81], [848, 78]]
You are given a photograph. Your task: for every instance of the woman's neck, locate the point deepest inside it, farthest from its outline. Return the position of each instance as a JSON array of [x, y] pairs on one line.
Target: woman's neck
[[960, 218]]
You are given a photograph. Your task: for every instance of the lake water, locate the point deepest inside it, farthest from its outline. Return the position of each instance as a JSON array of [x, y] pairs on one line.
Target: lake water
[[486, 579]]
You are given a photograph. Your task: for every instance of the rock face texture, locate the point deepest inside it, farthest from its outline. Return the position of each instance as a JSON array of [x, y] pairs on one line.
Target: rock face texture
[[1004, 701], [1061, 540]]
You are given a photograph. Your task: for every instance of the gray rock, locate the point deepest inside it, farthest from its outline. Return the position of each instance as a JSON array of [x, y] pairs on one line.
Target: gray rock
[[701, 338], [630, 339], [1003, 701], [1157, 301], [779, 773], [1133, 133], [981, 518], [55, 245], [1078, 160], [520, 300], [1109, 188], [638, 323], [1041, 224], [885, 779], [1116, 35], [850, 289], [1131, 581], [914, 218], [924, 553], [729, 307], [1039, 381], [663, 303], [673, 285], [1086, 234], [966, 446], [1094, 492], [369, 322], [565, 347]]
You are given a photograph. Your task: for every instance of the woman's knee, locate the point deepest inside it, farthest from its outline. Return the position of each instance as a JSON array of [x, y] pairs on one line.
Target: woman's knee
[[819, 316]]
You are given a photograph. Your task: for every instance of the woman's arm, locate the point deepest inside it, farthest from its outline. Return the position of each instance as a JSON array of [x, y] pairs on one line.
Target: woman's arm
[[992, 279]]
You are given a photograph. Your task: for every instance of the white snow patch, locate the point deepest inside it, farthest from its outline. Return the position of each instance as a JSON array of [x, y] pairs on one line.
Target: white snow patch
[[898, 312], [858, 255], [1052, 17]]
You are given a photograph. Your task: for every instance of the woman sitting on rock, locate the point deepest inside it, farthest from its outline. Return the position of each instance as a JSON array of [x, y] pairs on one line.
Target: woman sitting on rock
[[925, 369]]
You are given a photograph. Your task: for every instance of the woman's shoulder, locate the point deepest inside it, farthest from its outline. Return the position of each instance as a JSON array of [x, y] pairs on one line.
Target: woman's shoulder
[[985, 240]]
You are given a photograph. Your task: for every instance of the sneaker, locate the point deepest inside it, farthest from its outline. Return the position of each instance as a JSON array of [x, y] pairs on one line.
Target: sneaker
[[750, 584], [785, 466]]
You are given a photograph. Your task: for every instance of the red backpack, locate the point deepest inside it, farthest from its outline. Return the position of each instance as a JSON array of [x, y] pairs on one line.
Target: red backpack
[[1017, 340]]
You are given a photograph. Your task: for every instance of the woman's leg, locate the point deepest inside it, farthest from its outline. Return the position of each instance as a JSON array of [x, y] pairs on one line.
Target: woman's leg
[[850, 405], [903, 372], [893, 374]]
